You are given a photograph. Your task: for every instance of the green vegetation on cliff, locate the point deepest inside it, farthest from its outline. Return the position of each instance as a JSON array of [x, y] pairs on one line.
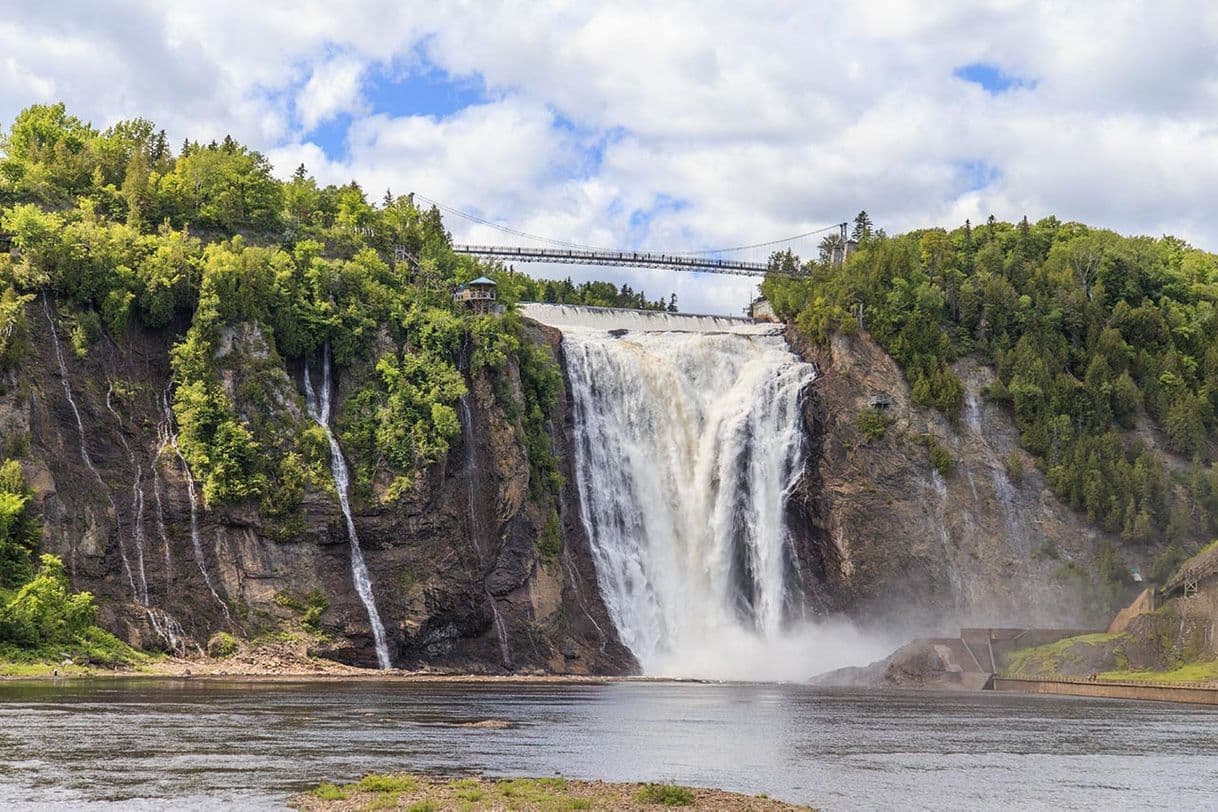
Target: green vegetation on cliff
[[255, 274], [252, 280], [1094, 337], [41, 618]]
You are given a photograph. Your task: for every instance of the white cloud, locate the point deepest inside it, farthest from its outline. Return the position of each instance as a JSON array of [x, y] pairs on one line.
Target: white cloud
[[333, 88], [762, 119]]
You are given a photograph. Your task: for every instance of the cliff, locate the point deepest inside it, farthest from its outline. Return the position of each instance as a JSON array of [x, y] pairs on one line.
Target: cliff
[[897, 544], [462, 576], [478, 567]]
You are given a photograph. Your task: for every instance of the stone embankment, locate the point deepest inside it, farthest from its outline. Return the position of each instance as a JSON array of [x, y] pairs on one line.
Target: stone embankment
[[1195, 693]]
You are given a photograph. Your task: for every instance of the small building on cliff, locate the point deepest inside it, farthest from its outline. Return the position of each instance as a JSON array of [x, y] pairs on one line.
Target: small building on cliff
[[478, 296]]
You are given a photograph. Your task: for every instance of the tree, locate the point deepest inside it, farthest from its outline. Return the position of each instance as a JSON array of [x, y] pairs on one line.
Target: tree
[[20, 532], [831, 248], [862, 227], [45, 611], [783, 262]]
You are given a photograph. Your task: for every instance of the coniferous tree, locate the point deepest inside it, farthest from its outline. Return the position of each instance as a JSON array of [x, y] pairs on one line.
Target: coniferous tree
[[862, 227]]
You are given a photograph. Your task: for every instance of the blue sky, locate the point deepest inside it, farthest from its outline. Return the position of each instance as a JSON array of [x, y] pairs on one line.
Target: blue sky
[[633, 124], [418, 91], [992, 78]]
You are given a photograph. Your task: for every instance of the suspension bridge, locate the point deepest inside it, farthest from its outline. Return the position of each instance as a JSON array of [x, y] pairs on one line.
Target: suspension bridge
[[740, 260]]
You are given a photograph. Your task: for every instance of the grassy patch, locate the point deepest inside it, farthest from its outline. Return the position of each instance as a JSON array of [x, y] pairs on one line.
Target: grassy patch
[[665, 795], [330, 792], [1050, 658], [93, 646], [1193, 672], [544, 791], [387, 783]]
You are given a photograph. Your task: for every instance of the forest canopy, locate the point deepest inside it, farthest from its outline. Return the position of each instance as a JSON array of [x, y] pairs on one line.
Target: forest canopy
[[1099, 343], [118, 227]]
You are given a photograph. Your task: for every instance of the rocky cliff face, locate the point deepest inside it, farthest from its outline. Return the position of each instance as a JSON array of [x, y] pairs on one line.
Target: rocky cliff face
[[459, 579], [899, 545], [463, 578]]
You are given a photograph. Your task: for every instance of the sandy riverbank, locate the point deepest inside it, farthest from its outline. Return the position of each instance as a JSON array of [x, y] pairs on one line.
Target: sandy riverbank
[[486, 794]]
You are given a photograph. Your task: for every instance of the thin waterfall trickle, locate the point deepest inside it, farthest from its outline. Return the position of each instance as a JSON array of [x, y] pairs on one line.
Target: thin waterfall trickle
[[689, 444], [475, 527], [84, 451], [171, 438], [165, 439], [319, 411], [165, 625], [137, 498], [160, 517]]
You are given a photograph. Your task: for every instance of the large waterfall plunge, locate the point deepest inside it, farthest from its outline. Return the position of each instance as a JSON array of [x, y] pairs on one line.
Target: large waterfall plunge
[[689, 439]]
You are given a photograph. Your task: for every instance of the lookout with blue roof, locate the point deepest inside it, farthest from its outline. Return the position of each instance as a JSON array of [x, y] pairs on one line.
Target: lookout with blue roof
[[478, 295]]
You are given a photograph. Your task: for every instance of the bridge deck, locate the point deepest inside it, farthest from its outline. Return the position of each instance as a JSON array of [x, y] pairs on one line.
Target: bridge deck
[[636, 259]]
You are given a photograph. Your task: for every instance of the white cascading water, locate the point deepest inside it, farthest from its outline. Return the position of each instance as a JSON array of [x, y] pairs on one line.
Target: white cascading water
[[689, 441], [319, 411], [137, 499], [84, 450], [170, 440]]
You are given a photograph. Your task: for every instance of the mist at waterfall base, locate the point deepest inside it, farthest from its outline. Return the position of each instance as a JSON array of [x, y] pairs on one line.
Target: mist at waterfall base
[[689, 442]]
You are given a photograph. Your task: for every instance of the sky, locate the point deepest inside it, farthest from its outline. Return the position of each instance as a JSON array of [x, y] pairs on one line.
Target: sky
[[672, 126]]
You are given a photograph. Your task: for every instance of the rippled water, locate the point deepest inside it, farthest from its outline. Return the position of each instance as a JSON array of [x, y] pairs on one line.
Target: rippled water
[[208, 744]]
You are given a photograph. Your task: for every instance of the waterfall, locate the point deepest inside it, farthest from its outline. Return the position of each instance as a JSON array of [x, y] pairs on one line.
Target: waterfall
[[84, 450], [160, 518], [319, 410], [170, 440], [164, 624], [689, 440], [475, 527], [137, 498]]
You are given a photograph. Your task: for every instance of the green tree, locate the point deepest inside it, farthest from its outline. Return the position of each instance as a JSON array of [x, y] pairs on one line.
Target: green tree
[[45, 611]]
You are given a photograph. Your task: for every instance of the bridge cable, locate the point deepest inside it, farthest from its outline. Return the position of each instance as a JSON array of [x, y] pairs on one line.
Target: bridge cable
[[585, 247]]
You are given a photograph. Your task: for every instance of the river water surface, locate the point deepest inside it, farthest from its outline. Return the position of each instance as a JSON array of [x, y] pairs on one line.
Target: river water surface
[[206, 744]]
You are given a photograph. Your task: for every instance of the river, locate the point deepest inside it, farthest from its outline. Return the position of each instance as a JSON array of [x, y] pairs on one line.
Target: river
[[208, 744]]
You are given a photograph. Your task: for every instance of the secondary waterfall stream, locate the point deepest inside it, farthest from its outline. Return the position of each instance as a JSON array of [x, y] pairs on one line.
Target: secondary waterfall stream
[[689, 440], [169, 439], [84, 449], [319, 411], [475, 526]]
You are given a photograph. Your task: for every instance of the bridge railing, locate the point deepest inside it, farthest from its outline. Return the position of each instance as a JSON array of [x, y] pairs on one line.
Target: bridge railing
[[639, 258]]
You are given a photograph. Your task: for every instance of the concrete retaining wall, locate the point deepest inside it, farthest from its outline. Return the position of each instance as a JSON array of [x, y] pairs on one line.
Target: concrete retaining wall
[[1195, 693]]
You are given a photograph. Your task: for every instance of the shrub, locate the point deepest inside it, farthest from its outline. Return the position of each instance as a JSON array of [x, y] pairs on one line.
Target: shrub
[[940, 457], [665, 795], [549, 543], [316, 606], [221, 645], [873, 423], [330, 792], [1015, 467]]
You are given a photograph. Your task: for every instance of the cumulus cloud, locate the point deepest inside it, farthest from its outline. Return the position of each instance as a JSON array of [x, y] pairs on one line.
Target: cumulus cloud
[[333, 88], [680, 125]]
